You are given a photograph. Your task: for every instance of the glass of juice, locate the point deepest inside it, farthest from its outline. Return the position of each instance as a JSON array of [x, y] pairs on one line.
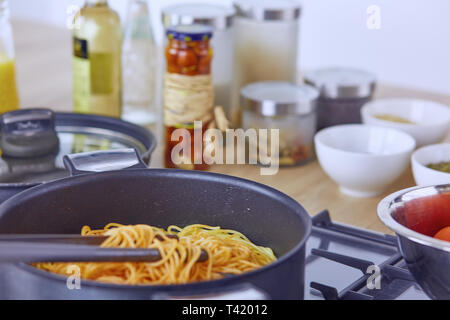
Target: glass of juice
[[9, 99]]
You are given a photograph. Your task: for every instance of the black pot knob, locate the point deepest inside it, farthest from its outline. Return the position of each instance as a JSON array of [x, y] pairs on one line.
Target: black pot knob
[[28, 133]]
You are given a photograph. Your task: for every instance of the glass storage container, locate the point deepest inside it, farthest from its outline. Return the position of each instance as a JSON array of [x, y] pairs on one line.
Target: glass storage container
[[220, 18], [343, 92], [9, 99], [188, 91], [287, 107], [266, 44]]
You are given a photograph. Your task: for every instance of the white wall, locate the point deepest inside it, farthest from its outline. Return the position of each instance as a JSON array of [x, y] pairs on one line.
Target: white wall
[[411, 49]]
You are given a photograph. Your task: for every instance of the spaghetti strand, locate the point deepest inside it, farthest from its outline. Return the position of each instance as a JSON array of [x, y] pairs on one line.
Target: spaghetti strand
[[229, 253]]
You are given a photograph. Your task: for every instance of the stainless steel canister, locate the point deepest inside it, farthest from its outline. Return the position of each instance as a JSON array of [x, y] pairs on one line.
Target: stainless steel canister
[[343, 92]]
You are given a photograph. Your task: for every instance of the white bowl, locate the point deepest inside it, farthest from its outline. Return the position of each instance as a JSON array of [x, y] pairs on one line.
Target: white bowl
[[363, 160], [431, 119], [430, 154]]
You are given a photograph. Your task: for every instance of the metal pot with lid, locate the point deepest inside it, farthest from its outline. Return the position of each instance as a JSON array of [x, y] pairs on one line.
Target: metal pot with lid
[[34, 141], [115, 186]]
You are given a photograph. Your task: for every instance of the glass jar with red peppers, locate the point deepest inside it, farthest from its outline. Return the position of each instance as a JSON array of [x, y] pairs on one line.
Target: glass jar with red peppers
[[189, 56], [188, 51]]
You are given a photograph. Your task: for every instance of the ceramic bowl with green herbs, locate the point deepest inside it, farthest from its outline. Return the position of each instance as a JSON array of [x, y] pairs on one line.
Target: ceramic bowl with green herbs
[[431, 164]]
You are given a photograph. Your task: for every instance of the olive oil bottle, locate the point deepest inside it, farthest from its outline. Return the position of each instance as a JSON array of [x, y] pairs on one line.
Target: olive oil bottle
[[97, 47]]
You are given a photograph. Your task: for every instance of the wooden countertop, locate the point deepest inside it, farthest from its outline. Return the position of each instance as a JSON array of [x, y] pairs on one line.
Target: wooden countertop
[[44, 76]]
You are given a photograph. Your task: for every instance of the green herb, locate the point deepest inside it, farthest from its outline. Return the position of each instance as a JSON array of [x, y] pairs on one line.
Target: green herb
[[442, 166]]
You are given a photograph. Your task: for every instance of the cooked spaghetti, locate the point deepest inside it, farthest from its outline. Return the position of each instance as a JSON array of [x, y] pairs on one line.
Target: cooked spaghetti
[[229, 253]]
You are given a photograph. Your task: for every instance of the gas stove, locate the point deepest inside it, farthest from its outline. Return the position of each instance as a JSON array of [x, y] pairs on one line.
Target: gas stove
[[348, 263]]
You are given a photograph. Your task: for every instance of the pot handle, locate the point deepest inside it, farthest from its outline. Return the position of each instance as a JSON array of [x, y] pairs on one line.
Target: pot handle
[[28, 133], [100, 161], [244, 291]]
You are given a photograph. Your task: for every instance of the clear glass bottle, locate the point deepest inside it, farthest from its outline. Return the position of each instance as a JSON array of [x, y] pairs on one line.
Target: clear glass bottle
[[97, 37], [9, 99], [139, 60]]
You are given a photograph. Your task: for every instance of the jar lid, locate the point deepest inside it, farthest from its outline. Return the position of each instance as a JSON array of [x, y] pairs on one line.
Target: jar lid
[[345, 83], [273, 98], [216, 16], [34, 141], [193, 32], [268, 10]]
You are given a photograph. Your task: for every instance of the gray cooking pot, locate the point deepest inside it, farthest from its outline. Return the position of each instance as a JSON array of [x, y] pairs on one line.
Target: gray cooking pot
[[34, 141], [133, 194]]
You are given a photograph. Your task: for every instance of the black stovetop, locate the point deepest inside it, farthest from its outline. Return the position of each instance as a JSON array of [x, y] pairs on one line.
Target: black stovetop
[[342, 260]]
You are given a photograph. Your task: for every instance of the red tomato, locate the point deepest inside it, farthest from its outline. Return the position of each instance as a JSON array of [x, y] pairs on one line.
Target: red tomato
[[443, 234], [187, 58], [204, 65], [428, 215], [171, 55]]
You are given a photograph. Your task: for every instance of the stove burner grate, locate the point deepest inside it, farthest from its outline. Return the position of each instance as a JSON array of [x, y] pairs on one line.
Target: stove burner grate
[[384, 277]]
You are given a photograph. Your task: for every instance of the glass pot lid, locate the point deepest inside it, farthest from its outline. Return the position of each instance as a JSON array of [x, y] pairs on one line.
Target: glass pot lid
[[34, 141]]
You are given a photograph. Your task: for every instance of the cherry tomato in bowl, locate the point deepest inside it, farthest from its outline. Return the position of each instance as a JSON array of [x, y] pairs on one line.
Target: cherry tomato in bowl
[[443, 234], [427, 215]]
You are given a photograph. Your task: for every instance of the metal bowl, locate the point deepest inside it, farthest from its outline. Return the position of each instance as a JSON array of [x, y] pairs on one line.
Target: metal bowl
[[416, 214]]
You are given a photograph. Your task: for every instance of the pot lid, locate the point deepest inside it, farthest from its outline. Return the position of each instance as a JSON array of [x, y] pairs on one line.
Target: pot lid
[[336, 83], [274, 98], [216, 16], [34, 141]]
